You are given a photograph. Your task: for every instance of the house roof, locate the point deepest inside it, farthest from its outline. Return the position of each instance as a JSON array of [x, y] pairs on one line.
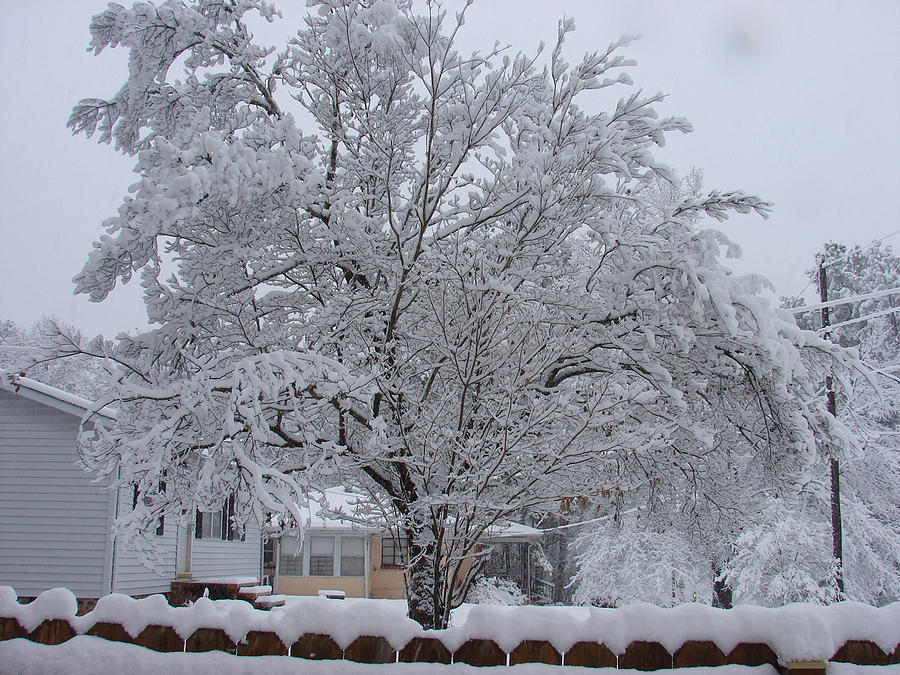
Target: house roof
[[342, 509], [514, 532], [347, 510], [51, 396]]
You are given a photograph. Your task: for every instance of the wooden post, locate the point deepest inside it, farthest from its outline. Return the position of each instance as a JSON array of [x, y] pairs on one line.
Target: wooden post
[[837, 533], [805, 668]]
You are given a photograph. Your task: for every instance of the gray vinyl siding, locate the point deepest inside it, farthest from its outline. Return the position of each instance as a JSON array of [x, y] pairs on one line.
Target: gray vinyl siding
[[214, 558], [131, 575], [54, 520]]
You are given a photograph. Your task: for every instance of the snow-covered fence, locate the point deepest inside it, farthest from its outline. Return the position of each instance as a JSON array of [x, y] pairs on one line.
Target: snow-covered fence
[[639, 636]]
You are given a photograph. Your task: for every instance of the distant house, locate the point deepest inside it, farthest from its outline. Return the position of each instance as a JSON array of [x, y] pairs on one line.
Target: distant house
[[340, 553], [55, 521]]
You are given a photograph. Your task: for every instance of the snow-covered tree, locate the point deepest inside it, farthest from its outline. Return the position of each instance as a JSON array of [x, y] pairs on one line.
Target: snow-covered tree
[[625, 560], [452, 291], [784, 557], [668, 539]]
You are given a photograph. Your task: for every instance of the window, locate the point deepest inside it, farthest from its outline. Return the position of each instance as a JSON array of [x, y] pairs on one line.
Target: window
[[290, 562], [321, 556], [161, 525], [218, 524], [268, 552], [209, 525], [353, 556], [325, 556], [393, 552]]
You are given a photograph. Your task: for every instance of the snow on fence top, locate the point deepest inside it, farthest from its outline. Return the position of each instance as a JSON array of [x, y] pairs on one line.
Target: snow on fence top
[[796, 632]]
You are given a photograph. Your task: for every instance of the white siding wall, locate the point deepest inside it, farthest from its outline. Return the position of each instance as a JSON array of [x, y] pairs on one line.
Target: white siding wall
[[54, 521], [131, 576], [214, 558]]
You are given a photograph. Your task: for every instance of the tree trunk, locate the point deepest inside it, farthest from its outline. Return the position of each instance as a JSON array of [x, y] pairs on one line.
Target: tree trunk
[[424, 596]]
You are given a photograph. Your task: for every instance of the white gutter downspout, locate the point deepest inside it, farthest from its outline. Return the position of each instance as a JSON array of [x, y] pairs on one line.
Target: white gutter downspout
[[276, 551], [113, 541], [368, 541], [183, 547]]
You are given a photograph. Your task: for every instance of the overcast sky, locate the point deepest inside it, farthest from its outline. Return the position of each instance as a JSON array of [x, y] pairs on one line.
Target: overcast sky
[[794, 101]]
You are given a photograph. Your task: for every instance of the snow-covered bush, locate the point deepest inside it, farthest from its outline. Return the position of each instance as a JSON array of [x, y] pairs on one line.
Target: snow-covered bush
[[617, 565], [783, 558], [495, 591]]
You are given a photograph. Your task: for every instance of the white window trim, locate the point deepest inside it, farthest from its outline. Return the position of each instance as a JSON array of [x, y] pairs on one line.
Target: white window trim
[[338, 545]]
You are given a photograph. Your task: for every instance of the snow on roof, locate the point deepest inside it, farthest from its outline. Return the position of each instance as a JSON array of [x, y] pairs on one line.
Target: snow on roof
[[44, 393], [516, 531], [346, 509], [343, 509]]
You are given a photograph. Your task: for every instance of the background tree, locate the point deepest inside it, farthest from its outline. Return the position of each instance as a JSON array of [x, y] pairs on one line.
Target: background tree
[[38, 357], [669, 539], [773, 546], [870, 475], [457, 295]]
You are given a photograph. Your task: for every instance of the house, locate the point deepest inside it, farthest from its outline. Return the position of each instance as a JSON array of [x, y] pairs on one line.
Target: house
[[345, 554], [55, 521]]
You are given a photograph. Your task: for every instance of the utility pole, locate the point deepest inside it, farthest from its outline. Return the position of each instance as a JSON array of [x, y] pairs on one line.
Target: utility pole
[[837, 534]]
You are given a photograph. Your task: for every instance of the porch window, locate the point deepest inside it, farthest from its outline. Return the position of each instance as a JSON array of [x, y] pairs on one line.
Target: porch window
[[321, 556], [336, 556], [353, 556], [290, 562], [393, 552]]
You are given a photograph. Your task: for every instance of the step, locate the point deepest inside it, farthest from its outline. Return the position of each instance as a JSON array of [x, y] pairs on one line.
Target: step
[[269, 601]]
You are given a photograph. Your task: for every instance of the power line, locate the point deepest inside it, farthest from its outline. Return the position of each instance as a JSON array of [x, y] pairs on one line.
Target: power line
[[844, 301], [803, 290], [874, 315], [847, 255], [864, 248]]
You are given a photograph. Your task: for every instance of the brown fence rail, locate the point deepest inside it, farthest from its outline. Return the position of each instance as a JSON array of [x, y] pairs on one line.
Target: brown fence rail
[[640, 655]]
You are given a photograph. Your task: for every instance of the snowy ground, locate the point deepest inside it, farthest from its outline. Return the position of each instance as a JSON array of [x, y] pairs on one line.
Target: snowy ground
[[396, 609], [85, 654]]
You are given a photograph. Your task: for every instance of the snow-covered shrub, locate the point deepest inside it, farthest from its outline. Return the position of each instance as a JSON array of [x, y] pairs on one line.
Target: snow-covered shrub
[[496, 591], [783, 558], [618, 565]]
